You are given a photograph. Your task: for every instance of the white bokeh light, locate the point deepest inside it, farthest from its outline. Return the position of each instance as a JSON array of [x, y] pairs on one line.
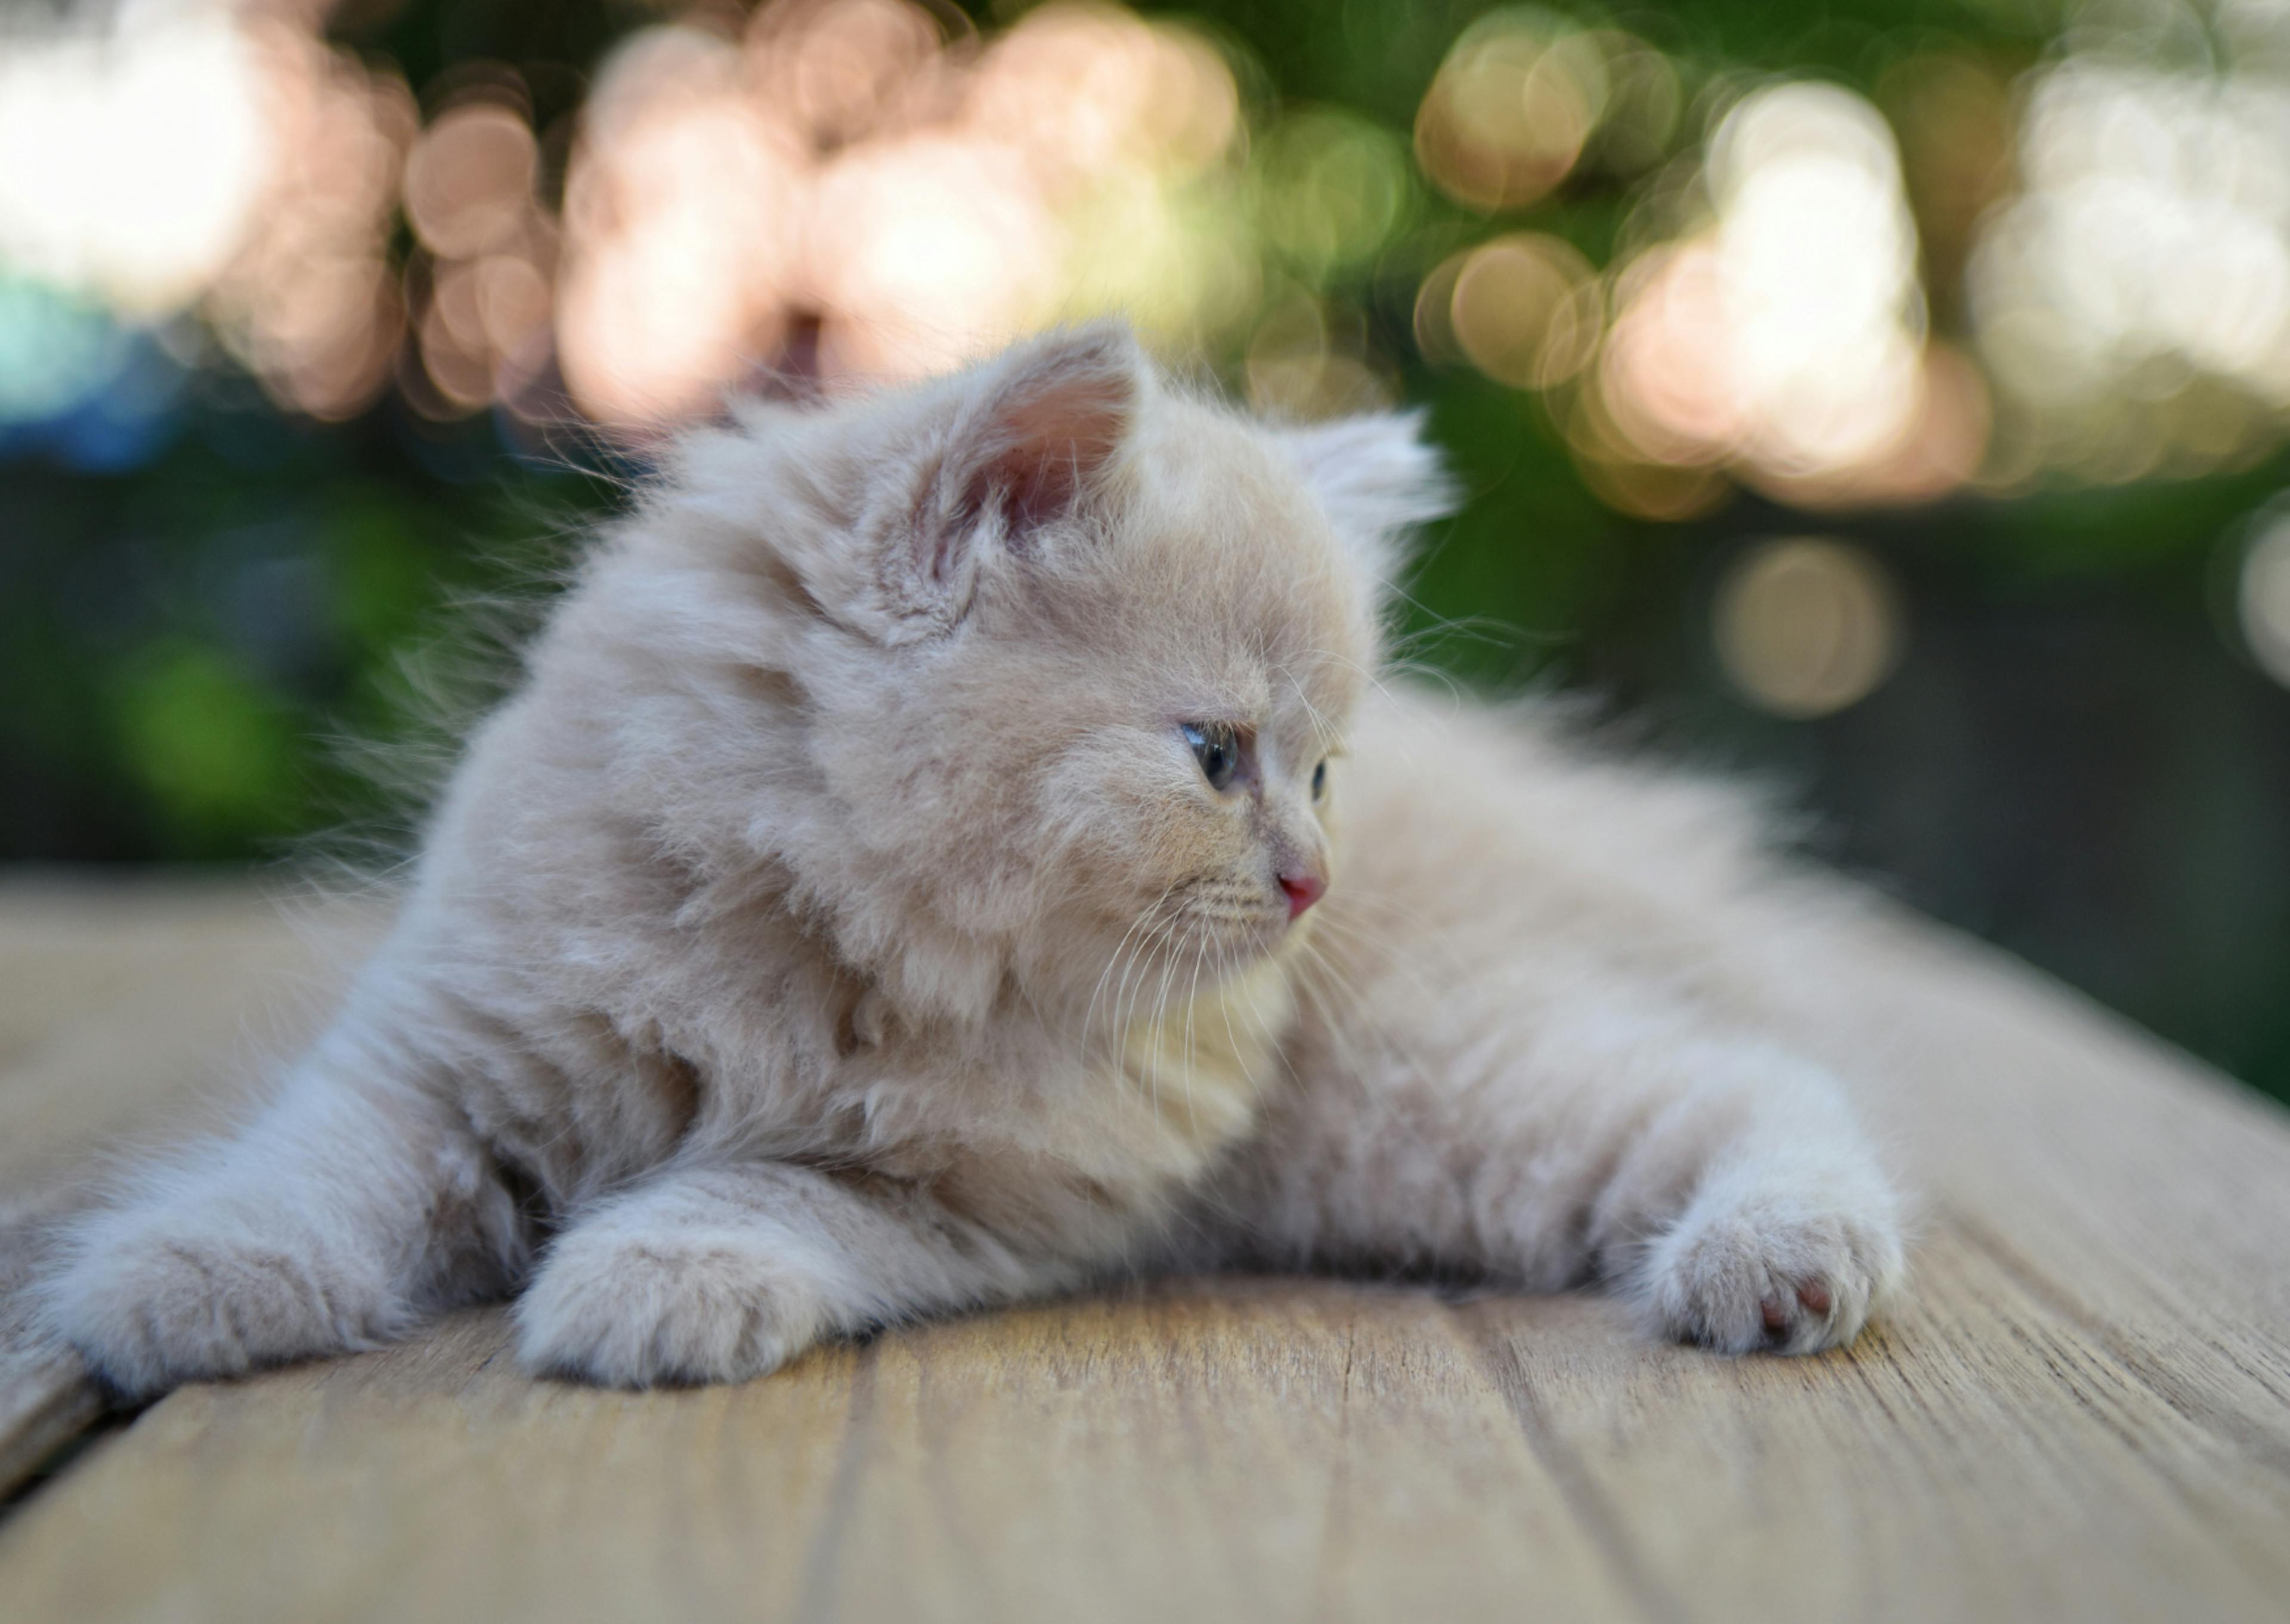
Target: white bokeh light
[[2133, 301], [1786, 335], [131, 162]]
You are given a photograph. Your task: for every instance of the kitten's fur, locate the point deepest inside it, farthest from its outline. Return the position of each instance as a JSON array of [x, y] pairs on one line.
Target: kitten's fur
[[836, 928]]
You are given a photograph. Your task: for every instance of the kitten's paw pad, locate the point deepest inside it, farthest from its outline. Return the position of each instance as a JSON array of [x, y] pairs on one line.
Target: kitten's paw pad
[[153, 1301], [1763, 1276], [633, 1312]]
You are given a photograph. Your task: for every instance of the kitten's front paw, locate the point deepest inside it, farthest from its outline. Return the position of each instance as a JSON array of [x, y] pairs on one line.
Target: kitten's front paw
[[1772, 1268], [632, 1310], [154, 1300]]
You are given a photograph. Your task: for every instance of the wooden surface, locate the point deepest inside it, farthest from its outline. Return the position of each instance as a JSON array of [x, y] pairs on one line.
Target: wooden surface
[[2082, 1413]]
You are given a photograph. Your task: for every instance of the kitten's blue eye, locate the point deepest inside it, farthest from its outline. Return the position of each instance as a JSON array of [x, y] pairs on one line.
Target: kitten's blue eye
[[1320, 779], [1217, 748]]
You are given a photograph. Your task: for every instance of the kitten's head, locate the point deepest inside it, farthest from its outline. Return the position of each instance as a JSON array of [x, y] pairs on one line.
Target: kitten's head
[[1059, 664]]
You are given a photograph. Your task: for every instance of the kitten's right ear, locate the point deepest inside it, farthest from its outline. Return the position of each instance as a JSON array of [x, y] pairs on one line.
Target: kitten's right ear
[[1378, 480], [1033, 438]]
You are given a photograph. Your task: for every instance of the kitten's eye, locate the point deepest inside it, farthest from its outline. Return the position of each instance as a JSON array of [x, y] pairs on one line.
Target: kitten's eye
[[1320, 779], [1217, 748]]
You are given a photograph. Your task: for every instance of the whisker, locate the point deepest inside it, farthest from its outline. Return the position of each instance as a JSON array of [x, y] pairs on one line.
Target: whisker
[[1090, 1012]]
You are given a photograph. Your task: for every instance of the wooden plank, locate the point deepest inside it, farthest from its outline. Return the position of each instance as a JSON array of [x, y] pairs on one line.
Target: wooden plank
[[1267, 1450], [2136, 1193], [2083, 1411], [130, 1013], [1248, 1449], [1971, 1459], [1258, 1450]]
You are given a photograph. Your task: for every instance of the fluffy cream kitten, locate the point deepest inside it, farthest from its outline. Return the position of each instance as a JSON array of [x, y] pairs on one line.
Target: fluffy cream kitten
[[896, 887]]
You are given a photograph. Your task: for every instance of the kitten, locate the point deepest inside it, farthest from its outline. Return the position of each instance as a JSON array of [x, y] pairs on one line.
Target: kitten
[[898, 886]]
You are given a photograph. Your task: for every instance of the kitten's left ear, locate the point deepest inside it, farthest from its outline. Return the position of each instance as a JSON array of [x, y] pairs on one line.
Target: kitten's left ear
[[1377, 478], [1034, 437]]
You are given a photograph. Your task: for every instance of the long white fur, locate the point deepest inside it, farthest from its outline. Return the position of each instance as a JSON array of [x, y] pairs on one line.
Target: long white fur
[[836, 927]]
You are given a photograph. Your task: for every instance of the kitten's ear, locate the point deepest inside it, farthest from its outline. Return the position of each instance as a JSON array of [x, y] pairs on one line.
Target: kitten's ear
[[1377, 478], [1052, 418], [1034, 438]]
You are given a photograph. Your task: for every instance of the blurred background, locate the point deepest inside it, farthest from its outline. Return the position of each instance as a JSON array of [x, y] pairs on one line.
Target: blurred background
[[1889, 398]]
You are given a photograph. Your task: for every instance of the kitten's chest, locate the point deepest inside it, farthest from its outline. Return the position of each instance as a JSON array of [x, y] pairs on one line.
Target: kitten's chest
[[1192, 1081], [1119, 1126]]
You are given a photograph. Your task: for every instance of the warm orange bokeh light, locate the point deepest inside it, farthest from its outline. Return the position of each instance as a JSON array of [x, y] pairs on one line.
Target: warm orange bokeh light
[[1526, 309], [1805, 625], [1514, 103], [684, 212], [468, 179], [841, 167]]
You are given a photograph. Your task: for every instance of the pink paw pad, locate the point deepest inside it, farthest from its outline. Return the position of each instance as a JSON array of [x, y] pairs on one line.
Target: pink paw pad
[[1780, 1316]]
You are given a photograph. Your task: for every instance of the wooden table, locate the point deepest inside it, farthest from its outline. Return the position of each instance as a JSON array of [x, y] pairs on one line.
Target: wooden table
[[2082, 1413]]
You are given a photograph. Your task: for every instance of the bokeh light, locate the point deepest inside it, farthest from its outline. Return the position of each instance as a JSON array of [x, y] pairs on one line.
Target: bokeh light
[[1514, 104], [1335, 185], [683, 229], [131, 165], [1785, 335], [845, 173], [468, 179], [54, 351], [2133, 301], [839, 189], [1806, 626], [1526, 309], [2263, 595], [1309, 358], [1707, 279]]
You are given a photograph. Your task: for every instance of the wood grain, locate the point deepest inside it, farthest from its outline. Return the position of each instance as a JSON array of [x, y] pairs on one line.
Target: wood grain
[[2082, 1413]]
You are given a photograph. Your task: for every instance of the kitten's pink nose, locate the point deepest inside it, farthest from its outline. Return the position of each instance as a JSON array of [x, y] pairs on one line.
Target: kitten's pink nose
[[1303, 890]]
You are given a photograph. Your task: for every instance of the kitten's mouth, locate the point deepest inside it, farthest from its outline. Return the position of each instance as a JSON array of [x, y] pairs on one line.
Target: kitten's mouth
[[1210, 929], [1244, 934]]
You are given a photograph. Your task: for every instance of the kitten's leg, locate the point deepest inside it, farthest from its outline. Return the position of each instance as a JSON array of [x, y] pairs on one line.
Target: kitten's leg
[[343, 1211], [719, 1273], [1750, 1210], [1721, 1182]]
